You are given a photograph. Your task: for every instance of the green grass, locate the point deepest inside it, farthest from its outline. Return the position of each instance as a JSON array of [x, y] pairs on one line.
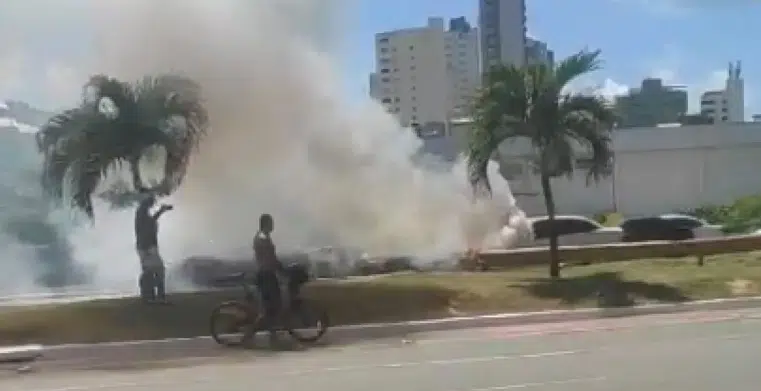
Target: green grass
[[401, 297]]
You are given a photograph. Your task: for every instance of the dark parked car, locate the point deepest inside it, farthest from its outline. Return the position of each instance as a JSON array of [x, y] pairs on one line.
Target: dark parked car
[[656, 228]]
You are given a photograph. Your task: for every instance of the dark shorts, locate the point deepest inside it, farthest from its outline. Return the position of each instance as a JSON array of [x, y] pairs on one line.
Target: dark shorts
[[269, 288]]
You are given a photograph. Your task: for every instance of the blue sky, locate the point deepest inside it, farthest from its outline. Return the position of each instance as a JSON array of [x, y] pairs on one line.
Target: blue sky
[[684, 41]]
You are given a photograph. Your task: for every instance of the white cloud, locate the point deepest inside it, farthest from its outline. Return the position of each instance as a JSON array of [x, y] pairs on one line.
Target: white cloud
[[608, 88]]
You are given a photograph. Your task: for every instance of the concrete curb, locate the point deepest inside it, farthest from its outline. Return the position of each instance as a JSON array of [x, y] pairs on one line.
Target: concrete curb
[[555, 316], [382, 330], [21, 353]]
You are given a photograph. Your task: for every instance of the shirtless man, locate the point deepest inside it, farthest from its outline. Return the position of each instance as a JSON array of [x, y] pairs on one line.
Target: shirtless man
[[153, 275], [268, 268]]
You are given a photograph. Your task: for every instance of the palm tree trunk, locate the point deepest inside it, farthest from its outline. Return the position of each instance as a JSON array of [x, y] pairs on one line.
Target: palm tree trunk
[[549, 202], [137, 180]]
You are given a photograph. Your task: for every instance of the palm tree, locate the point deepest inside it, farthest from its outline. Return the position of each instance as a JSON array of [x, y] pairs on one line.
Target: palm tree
[[531, 103], [116, 124]]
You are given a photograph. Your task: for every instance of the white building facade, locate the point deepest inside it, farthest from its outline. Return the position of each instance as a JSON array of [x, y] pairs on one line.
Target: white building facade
[[425, 74], [657, 170], [727, 105], [503, 32]]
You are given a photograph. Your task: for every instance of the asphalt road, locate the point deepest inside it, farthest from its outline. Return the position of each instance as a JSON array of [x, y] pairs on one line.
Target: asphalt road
[[695, 352]]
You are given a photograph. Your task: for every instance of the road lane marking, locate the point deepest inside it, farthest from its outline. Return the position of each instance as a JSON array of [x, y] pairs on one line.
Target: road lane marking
[[451, 361], [212, 379], [542, 384]]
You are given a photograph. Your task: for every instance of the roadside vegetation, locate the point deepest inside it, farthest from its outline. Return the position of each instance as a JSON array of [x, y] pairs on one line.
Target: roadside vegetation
[[741, 216], [408, 296]]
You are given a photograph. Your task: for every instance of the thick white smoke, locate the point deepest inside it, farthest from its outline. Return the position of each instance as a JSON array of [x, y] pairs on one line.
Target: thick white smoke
[[284, 141]]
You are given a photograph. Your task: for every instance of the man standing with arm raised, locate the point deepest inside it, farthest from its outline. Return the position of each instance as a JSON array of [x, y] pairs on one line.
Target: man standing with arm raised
[[153, 274]]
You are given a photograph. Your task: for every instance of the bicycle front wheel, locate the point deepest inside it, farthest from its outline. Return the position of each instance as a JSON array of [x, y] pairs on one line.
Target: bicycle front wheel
[[232, 323], [307, 322]]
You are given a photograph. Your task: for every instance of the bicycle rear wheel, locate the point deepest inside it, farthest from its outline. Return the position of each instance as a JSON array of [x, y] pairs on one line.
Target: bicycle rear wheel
[[232, 323], [307, 322]]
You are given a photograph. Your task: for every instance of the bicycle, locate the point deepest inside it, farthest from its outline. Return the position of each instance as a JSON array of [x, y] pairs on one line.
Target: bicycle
[[246, 321]]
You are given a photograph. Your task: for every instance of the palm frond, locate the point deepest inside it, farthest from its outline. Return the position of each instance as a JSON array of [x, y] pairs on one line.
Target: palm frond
[[99, 86], [481, 146], [176, 103], [502, 103], [589, 121], [499, 112], [82, 144], [84, 176], [61, 141], [575, 66]]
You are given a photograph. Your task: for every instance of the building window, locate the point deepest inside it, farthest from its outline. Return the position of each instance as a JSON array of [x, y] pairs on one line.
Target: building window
[[412, 47], [385, 79], [724, 118], [386, 100], [384, 70], [412, 67], [383, 40], [384, 50], [397, 99]]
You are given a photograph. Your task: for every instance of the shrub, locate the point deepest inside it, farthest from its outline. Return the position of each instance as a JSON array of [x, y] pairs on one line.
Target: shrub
[[743, 215]]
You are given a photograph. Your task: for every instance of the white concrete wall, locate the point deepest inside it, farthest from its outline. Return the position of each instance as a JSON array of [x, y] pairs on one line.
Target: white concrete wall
[[657, 170]]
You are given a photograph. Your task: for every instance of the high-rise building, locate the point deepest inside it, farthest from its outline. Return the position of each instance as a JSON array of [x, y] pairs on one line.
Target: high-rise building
[[425, 75], [503, 32], [537, 52], [463, 65], [652, 104], [727, 105]]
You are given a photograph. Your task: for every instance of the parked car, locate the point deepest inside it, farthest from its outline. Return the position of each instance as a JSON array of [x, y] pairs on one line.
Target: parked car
[[667, 227], [572, 231], [700, 228]]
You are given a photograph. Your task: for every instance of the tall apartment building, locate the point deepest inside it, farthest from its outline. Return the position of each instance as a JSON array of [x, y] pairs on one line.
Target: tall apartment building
[[503, 32], [537, 52], [727, 105], [426, 75], [463, 65], [652, 104]]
